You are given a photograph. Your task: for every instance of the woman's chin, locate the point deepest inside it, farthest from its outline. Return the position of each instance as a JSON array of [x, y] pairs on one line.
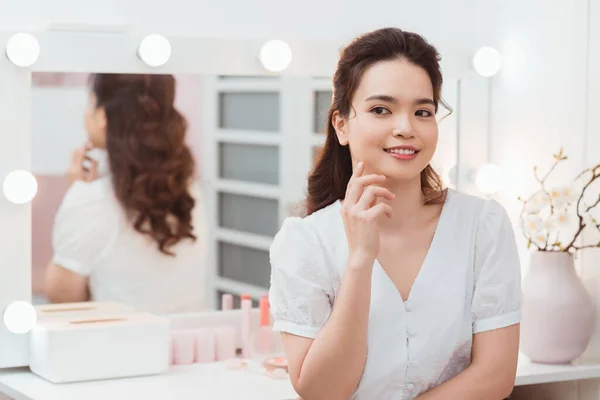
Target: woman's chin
[[401, 173], [404, 177]]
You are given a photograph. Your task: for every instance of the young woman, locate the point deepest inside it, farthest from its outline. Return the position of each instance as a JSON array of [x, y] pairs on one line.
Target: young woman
[[393, 287], [133, 236]]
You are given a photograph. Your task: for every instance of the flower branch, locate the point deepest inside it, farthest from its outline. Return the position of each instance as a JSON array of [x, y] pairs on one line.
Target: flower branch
[[595, 175], [593, 205], [558, 158], [545, 212]]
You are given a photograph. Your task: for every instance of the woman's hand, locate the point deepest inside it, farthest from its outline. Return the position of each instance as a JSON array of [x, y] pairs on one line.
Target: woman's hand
[[360, 211], [77, 171]]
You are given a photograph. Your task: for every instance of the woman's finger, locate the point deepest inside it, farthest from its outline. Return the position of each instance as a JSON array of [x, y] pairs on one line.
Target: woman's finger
[[356, 187], [371, 194], [92, 171], [378, 210], [78, 156], [357, 173]]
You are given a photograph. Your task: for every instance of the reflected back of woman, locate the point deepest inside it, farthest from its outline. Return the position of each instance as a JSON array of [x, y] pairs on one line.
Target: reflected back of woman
[[134, 235]]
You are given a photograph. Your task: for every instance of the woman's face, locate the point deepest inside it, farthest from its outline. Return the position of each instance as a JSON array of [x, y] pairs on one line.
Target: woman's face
[[95, 123], [392, 125]]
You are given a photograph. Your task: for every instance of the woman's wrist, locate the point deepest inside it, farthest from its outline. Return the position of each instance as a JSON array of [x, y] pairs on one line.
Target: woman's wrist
[[360, 260]]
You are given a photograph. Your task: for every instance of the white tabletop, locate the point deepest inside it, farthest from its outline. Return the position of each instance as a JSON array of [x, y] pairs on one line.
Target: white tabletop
[[529, 373], [216, 381]]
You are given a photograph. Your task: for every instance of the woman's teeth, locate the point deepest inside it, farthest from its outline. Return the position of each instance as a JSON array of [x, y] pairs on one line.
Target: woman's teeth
[[401, 151]]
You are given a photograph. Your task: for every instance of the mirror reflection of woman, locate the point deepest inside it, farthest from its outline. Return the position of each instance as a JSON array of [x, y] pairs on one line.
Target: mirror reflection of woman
[[135, 235], [394, 287]]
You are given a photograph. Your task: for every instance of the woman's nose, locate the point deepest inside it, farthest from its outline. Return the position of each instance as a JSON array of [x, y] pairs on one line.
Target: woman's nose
[[403, 128]]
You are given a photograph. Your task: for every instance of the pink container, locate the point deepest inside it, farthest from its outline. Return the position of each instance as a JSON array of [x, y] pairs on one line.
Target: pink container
[[225, 343], [182, 346], [205, 345]]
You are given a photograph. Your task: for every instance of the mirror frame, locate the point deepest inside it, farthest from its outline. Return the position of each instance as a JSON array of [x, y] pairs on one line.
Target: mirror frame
[[79, 51]]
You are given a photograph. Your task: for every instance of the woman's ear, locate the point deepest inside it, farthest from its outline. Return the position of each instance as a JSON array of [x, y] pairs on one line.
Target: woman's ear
[[340, 126]]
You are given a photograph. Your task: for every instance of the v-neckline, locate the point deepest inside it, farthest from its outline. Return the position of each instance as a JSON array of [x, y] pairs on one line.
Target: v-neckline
[[436, 233]]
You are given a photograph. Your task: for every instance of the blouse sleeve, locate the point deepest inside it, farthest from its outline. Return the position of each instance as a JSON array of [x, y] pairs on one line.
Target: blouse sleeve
[[497, 295], [300, 293], [84, 229]]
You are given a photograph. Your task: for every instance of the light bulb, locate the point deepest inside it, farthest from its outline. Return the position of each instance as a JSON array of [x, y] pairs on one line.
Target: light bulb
[[487, 61], [23, 49], [154, 50], [275, 55], [20, 317], [450, 175], [489, 179], [20, 187]]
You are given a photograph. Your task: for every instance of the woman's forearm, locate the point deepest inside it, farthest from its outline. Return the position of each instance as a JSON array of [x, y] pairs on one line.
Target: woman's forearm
[[64, 286], [474, 383], [493, 369], [334, 364]]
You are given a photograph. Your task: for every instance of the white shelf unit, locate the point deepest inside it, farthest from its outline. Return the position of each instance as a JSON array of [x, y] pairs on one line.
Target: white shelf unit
[[244, 116]]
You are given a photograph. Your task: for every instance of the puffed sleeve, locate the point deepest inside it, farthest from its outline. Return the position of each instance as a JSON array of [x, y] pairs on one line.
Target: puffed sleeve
[[300, 293], [497, 294], [85, 229]]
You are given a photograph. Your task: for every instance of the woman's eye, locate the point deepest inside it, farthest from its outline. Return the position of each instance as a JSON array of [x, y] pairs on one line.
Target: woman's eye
[[379, 111], [424, 113]]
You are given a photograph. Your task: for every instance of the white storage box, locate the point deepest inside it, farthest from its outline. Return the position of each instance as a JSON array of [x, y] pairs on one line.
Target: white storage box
[[78, 310], [100, 347]]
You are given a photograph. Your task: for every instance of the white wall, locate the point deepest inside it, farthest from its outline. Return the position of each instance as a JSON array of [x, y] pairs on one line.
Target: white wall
[[545, 96], [57, 127], [539, 105], [591, 262]]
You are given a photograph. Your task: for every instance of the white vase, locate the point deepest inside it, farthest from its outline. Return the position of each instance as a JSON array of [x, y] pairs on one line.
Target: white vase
[[558, 313]]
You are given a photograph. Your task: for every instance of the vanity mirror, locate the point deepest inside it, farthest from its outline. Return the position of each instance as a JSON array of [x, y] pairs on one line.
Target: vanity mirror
[[254, 115]]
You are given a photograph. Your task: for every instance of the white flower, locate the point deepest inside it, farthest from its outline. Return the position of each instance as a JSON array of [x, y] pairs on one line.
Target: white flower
[[550, 224], [539, 239], [561, 218], [533, 224], [539, 201], [562, 196]]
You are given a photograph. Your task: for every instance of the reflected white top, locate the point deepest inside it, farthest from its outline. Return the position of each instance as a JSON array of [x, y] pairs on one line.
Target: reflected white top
[[470, 282], [92, 237]]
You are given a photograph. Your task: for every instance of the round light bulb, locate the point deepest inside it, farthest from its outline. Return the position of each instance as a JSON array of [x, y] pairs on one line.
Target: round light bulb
[[20, 317], [450, 176], [23, 49], [20, 187], [154, 50], [275, 55], [487, 61], [489, 179]]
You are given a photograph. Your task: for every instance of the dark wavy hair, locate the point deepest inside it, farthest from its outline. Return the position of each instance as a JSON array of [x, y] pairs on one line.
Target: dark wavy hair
[[150, 164], [328, 180]]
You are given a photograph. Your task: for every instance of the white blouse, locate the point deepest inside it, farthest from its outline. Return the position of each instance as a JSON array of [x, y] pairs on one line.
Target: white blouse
[[93, 237], [470, 282]]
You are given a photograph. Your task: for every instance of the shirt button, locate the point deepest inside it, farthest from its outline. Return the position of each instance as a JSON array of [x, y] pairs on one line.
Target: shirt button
[[410, 386]]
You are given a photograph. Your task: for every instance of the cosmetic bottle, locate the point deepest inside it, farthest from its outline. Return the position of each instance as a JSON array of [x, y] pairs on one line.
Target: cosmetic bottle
[[227, 302], [246, 307], [267, 349]]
